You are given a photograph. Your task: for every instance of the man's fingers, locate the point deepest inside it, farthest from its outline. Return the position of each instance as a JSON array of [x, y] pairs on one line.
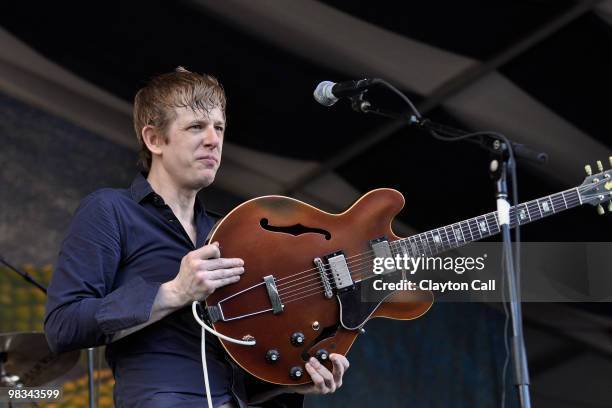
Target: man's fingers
[[317, 379], [209, 251], [341, 364], [328, 377], [217, 283], [222, 273], [221, 263]]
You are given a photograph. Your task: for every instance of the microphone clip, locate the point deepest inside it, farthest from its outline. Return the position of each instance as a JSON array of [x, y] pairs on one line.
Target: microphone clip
[[359, 104]]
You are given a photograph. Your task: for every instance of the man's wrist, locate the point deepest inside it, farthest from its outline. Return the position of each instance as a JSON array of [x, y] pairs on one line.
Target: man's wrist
[[171, 297]]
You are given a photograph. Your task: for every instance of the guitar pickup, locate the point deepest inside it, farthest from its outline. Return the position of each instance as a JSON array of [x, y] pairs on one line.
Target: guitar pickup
[[340, 271], [381, 249]]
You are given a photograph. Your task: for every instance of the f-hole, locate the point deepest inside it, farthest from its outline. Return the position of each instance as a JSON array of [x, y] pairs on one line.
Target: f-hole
[[295, 229]]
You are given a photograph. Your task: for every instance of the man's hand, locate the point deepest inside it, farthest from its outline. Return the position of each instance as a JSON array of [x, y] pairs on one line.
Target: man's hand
[[202, 271], [323, 381]]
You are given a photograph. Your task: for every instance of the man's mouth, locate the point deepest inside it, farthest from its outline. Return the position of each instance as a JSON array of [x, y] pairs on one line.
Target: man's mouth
[[208, 159]]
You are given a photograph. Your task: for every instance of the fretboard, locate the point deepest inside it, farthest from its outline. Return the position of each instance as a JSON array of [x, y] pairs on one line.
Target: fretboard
[[456, 235]]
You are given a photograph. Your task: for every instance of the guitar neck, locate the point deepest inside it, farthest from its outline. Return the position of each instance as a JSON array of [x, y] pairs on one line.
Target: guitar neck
[[456, 235]]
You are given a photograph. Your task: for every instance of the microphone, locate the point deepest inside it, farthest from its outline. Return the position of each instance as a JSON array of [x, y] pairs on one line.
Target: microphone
[[327, 93]]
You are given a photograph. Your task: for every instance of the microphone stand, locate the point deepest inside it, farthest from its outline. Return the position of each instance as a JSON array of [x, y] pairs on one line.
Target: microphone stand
[[521, 373], [90, 351], [499, 173]]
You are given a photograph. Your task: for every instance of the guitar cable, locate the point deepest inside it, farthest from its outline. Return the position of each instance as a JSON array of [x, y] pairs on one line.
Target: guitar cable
[[206, 328]]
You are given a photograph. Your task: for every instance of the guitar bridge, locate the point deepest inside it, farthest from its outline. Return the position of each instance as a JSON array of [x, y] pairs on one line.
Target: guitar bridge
[[277, 305], [327, 290]]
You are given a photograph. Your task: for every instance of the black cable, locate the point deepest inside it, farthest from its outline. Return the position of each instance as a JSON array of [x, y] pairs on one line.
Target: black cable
[[455, 135]]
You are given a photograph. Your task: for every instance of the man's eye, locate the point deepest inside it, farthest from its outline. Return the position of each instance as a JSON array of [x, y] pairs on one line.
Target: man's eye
[[220, 128], [196, 127]]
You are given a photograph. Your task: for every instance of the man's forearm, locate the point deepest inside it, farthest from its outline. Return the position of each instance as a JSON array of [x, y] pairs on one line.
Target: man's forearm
[[167, 300]]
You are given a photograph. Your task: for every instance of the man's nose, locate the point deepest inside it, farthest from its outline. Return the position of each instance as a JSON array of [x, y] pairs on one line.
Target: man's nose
[[211, 138]]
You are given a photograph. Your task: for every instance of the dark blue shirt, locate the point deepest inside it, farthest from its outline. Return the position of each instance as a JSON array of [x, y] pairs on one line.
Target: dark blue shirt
[[121, 246]]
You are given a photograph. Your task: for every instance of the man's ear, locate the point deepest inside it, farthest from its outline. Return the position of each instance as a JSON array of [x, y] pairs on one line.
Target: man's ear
[[152, 139]]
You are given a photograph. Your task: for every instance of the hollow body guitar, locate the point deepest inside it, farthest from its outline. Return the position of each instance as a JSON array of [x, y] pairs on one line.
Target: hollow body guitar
[[288, 299], [305, 271]]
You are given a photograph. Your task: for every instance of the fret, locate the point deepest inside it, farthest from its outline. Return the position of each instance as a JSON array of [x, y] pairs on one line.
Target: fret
[[425, 245], [436, 239], [488, 226], [534, 216], [463, 233], [496, 221], [475, 227], [552, 203], [406, 243], [577, 196], [528, 209], [418, 245], [449, 236], [458, 234], [455, 235], [544, 207], [470, 231], [394, 249], [523, 213], [445, 239], [483, 227], [413, 246], [427, 241], [539, 209]]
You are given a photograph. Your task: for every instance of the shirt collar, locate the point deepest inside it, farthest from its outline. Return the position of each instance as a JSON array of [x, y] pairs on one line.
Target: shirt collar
[[141, 189]]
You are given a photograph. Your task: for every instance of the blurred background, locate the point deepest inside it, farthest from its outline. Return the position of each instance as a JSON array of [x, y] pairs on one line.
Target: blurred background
[[535, 70]]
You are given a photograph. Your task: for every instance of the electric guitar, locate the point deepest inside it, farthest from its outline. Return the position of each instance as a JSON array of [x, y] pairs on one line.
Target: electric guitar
[[304, 269]]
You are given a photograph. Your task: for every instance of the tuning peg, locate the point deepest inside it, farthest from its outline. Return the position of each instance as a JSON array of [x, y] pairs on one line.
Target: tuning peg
[[599, 165], [600, 210], [588, 170], [610, 206], [610, 160]]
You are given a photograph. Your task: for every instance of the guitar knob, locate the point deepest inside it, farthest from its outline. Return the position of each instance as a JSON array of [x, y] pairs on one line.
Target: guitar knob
[[296, 373], [588, 170], [610, 160], [599, 165], [272, 356], [322, 355], [297, 338], [600, 210]]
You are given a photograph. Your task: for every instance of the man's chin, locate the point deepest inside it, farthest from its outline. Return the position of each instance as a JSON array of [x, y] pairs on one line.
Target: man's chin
[[204, 181]]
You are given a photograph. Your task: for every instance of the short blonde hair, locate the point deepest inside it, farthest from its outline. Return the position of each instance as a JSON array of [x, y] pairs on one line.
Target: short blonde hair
[[154, 105]]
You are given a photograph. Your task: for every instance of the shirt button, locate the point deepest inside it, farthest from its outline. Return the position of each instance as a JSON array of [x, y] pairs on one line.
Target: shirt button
[[158, 201]]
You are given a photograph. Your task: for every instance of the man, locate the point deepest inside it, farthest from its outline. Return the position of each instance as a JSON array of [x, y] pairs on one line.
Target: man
[[134, 260]]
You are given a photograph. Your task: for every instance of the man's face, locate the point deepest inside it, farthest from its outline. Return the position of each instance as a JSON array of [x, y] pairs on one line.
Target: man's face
[[193, 152]]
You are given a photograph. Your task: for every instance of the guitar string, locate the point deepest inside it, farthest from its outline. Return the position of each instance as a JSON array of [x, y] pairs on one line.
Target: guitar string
[[397, 243], [359, 271], [319, 285], [316, 289], [461, 223]]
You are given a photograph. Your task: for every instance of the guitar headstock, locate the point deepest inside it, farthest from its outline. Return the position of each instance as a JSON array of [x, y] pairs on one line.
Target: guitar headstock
[[596, 189]]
